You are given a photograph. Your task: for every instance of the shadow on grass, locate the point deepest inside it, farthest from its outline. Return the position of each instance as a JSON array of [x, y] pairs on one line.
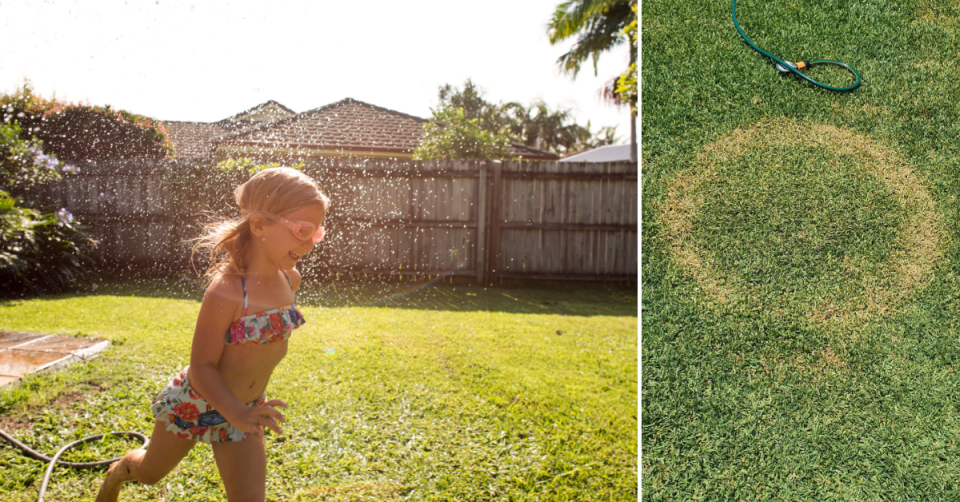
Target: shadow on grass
[[577, 299]]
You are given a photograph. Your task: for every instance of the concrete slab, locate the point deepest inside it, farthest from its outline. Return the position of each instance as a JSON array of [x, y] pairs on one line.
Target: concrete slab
[[59, 344], [14, 362], [26, 353], [13, 338]]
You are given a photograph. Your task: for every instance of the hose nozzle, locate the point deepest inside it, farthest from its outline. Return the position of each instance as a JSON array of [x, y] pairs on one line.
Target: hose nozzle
[[799, 65]]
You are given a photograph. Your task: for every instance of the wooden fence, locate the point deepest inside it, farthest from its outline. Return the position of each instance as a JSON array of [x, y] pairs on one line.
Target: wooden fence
[[484, 220], [126, 206]]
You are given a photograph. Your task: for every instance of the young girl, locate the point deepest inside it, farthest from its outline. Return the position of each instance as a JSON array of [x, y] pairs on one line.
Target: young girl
[[245, 321]]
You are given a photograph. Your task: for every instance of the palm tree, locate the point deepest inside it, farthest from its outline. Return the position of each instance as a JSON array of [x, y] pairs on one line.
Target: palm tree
[[598, 26], [542, 128]]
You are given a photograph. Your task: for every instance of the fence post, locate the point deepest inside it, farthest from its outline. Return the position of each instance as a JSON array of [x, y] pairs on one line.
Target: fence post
[[495, 203], [479, 262]]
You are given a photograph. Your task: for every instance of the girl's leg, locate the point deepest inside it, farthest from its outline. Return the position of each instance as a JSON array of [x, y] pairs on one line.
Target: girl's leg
[[149, 466], [243, 468]]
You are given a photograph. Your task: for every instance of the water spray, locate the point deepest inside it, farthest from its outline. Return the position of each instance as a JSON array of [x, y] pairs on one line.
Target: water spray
[[411, 291]]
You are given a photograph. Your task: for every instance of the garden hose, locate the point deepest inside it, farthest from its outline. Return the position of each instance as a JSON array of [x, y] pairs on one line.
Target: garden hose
[[76, 465], [798, 67]]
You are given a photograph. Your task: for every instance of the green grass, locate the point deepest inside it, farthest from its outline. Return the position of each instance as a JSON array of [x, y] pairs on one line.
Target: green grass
[[801, 331], [448, 393]]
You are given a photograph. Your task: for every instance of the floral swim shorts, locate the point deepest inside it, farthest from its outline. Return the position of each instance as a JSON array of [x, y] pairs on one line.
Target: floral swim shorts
[[188, 415]]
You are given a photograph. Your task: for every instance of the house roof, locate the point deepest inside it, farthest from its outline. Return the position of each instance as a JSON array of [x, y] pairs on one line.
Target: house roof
[[198, 139], [194, 139], [347, 127], [529, 153], [610, 153]]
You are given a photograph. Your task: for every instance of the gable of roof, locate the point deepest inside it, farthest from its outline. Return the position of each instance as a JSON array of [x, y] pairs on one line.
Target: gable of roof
[[347, 125], [262, 113]]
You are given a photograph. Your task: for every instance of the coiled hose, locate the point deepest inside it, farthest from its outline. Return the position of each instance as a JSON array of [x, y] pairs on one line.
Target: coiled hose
[[76, 465], [798, 67]]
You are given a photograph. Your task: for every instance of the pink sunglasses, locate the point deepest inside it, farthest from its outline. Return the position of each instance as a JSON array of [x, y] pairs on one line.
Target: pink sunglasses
[[302, 229]]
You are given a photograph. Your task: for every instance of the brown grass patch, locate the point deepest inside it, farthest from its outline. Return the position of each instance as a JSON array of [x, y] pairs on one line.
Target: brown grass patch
[[863, 110], [678, 214], [820, 364], [932, 13], [823, 315], [919, 244], [65, 401]]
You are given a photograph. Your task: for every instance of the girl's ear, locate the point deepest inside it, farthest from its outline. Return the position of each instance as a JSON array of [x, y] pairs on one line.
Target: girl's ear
[[256, 225]]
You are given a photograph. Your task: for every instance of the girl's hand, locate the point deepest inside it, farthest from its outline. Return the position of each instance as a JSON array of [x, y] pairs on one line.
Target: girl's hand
[[253, 418]]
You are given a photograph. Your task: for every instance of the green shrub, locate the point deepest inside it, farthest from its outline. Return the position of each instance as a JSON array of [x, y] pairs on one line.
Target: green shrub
[[451, 135], [23, 165], [244, 167], [39, 252], [77, 133], [42, 253]]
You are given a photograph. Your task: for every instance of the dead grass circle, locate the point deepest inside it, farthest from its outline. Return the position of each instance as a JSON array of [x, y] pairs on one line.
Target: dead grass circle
[[908, 268]]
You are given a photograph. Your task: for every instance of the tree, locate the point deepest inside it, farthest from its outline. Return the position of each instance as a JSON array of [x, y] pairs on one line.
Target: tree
[[470, 100], [545, 129], [449, 134], [627, 82], [598, 25], [537, 126]]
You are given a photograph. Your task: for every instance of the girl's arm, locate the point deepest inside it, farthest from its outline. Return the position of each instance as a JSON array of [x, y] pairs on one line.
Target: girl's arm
[[219, 306]]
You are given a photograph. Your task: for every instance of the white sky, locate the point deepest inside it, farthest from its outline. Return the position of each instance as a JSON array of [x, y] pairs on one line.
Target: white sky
[[205, 60]]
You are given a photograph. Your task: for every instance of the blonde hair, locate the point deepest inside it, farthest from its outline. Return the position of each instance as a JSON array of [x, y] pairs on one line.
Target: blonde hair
[[279, 190]]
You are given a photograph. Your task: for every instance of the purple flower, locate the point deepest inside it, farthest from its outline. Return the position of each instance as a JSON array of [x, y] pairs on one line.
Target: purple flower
[[71, 169], [64, 217], [43, 160]]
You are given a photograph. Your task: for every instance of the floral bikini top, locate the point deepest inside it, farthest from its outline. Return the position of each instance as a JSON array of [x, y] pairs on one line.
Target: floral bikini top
[[269, 326]]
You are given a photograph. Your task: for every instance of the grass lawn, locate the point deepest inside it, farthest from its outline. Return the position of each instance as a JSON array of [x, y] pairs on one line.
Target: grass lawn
[[447, 393], [801, 298]]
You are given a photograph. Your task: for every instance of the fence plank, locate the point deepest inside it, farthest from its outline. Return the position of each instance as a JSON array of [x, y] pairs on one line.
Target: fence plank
[[481, 212], [496, 260]]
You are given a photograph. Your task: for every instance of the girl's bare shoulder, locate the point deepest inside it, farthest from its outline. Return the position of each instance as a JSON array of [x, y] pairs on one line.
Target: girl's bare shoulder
[[222, 304], [223, 289], [295, 278]]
